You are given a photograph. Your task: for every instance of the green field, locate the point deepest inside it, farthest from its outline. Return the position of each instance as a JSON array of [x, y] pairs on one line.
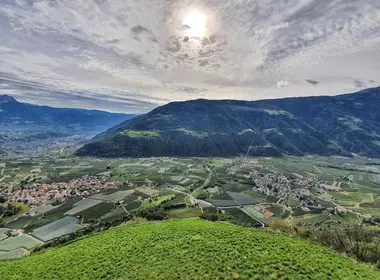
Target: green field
[[187, 249], [21, 241], [157, 201], [184, 212], [15, 254]]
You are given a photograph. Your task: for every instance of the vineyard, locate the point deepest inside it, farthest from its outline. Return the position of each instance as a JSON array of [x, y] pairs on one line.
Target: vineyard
[[186, 249]]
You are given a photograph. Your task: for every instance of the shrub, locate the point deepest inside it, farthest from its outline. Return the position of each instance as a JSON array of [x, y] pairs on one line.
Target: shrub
[[356, 241], [209, 216], [282, 226]]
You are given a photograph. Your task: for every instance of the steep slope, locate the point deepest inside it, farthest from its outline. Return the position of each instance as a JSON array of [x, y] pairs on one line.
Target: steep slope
[[211, 128], [351, 120], [22, 124], [187, 249]]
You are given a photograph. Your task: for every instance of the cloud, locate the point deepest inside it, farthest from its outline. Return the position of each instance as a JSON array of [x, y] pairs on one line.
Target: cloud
[[282, 84], [136, 54], [189, 90], [358, 83], [312, 82]]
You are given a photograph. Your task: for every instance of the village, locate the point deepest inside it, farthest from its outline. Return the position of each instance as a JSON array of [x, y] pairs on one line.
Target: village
[[37, 194]]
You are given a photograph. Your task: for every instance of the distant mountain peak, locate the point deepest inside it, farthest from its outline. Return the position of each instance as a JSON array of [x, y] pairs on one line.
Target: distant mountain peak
[[6, 99]]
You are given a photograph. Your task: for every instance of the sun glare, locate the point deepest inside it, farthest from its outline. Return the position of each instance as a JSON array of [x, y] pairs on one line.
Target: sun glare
[[195, 23]]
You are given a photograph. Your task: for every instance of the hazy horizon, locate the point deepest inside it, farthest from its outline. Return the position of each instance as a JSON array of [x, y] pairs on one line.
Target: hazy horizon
[[105, 109]]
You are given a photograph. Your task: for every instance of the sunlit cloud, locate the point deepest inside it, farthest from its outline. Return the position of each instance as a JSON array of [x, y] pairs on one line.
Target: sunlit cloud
[[138, 54]]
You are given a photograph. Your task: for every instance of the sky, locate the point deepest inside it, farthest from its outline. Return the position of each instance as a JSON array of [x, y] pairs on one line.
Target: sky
[[131, 56]]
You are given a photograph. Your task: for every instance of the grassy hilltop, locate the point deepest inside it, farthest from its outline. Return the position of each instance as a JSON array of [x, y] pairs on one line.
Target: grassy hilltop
[[186, 249]]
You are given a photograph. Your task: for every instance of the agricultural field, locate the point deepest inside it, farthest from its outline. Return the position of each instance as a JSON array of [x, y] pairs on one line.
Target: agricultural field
[[23, 240], [113, 197], [48, 169], [242, 198], [242, 217], [82, 205], [56, 229], [212, 185], [15, 254], [192, 249], [2, 233]]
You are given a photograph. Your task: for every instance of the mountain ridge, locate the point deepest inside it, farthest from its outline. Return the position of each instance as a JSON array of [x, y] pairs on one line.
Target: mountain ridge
[[27, 126], [320, 125]]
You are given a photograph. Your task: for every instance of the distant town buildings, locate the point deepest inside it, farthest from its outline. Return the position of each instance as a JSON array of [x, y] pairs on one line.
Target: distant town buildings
[[39, 193]]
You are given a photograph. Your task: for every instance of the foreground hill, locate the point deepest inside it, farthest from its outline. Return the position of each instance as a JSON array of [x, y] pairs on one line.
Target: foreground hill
[[187, 249], [339, 125], [22, 124]]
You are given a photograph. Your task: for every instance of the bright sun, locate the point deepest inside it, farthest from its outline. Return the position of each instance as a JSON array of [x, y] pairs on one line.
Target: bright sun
[[196, 23]]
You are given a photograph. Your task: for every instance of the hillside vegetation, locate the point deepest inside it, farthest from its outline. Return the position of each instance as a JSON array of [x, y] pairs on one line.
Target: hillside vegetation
[[334, 125], [186, 249]]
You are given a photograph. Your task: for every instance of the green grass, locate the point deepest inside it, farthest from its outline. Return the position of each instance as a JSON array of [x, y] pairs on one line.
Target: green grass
[[140, 134], [157, 201], [182, 213], [186, 249]]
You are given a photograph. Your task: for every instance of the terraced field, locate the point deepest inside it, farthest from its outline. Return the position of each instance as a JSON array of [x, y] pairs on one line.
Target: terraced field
[[187, 249]]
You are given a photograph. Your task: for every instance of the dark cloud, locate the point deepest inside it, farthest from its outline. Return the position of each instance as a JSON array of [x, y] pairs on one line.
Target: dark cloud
[[203, 62], [114, 41], [190, 90], [173, 45], [358, 83], [140, 29], [206, 52], [312, 82]]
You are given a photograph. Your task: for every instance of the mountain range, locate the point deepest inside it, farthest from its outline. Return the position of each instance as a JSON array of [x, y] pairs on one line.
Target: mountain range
[[27, 126], [344, 125]]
